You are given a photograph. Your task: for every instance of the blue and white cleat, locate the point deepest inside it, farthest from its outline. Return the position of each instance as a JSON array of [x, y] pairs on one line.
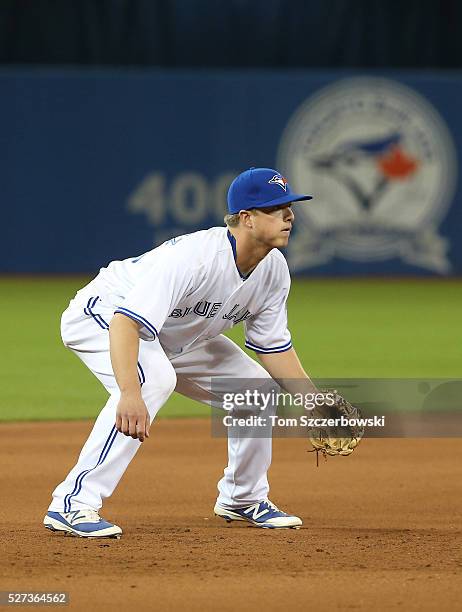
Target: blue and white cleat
[[81, 523], [262, 514]]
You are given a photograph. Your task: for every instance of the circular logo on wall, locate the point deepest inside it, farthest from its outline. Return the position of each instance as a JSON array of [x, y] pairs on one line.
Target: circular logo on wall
[[381, 165]]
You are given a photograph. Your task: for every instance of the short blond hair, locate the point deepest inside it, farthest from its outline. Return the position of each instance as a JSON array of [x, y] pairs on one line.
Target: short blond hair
[[232, 220]]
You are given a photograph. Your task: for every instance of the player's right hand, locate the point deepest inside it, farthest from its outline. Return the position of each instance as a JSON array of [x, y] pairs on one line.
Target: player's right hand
[[132, 417]]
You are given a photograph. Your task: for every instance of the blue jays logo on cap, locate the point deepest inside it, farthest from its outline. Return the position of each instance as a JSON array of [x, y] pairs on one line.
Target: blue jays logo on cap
[[260, 188], [279, 180]]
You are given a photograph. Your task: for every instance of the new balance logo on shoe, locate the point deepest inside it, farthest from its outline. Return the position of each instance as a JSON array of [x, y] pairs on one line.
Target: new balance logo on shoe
[[262, 514], [254, 510]]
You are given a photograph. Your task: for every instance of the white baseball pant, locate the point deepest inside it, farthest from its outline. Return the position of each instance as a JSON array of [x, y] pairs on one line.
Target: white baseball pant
[[107, 453]]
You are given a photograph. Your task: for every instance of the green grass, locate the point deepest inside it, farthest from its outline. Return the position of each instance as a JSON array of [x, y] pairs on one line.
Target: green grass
[[340, 328]]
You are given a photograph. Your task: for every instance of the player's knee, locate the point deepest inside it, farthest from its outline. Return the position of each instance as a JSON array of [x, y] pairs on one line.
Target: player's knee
[[169, 380], [159, 383]]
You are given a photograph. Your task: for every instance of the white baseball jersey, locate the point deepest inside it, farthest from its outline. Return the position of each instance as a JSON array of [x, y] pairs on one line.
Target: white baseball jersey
[[189, 289], [185, 293]]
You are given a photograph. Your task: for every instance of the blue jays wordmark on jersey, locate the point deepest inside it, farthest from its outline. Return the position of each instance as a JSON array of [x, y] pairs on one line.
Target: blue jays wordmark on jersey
[[210, 309]]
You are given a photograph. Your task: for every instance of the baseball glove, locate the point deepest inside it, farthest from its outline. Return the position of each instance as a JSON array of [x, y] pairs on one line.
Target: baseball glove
[[338, 437]]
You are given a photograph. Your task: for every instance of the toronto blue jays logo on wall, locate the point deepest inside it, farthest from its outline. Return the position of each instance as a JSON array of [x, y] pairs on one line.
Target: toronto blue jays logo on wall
[[381, 165]]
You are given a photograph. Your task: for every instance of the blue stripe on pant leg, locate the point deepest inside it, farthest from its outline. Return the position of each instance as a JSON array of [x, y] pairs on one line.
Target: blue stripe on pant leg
[[97, 317], [81, 476], [141, 375], [102, 457], [85, 310], [98, 464], [69, 495]]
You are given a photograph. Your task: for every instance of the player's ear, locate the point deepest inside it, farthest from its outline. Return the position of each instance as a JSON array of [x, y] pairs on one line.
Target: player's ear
[[246, 218]]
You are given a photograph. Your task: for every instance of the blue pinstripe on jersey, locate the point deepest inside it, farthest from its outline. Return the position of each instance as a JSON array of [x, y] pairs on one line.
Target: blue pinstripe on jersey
[[138, 318], [274, 349]]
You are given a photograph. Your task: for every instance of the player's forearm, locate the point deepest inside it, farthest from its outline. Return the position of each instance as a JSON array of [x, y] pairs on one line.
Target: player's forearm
[[286, 369], [124, 347]]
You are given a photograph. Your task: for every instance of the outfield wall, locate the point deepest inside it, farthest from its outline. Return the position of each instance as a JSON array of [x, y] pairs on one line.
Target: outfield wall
[[100, 165]]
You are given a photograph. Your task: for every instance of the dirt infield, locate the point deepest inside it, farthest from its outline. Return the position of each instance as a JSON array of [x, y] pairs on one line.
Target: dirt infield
[[382, 528]]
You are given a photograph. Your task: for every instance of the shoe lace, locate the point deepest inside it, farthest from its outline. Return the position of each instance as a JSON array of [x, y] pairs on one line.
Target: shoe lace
[[271, 505], [93, 515]]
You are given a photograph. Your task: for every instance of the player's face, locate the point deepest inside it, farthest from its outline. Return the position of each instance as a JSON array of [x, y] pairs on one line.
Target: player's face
[[273, 225]]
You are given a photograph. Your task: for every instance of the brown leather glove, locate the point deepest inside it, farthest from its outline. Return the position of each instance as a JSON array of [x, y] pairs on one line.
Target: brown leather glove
[[341, 437]]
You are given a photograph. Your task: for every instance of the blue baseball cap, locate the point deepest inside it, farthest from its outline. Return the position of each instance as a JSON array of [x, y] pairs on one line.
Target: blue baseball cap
[[258, 188]]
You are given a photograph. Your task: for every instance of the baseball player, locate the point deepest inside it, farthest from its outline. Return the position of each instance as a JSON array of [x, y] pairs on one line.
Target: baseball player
[[153, 324]]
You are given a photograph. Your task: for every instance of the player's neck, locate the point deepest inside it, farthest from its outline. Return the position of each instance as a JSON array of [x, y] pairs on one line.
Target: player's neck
[[248, 252]]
